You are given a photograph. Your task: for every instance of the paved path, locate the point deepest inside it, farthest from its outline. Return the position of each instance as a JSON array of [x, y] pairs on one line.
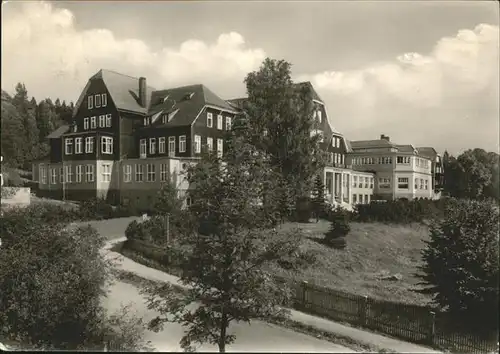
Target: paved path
[[258, 336]]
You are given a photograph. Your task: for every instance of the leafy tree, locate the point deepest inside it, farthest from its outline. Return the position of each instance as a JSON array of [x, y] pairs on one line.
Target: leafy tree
[[280, 122], [50, 301], [318, 201], [168, 200], [223, 259], [461, 262]]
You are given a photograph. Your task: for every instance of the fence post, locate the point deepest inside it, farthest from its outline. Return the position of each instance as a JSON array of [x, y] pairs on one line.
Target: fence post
[[304, 294], [363, 311], [432, 328]]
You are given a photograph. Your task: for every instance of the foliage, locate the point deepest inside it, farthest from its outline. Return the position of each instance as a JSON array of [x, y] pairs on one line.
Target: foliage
[[279, 121], [473, 174], [318, 200], [97, 209], [461, 262], [168, 200], [304, 209], [223, 258], [339, 227]]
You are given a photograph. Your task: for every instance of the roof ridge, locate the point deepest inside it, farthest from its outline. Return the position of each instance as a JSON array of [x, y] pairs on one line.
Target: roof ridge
[[116, 72]]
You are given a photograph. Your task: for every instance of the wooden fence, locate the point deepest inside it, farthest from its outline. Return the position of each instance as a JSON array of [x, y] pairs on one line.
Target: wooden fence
[[417, 324]]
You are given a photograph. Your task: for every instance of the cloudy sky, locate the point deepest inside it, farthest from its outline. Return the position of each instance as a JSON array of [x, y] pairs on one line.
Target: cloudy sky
[[425, 73]]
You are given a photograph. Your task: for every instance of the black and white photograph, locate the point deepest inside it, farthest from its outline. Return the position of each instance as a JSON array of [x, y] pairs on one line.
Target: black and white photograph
[[250, 176]]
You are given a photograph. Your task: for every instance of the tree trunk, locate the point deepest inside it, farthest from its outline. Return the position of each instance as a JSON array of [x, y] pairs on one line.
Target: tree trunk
[[222, 338]]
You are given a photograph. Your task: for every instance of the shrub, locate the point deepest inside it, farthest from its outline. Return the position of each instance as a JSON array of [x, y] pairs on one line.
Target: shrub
[[461, 262], [303, 211], [96, 209], [339, 228]]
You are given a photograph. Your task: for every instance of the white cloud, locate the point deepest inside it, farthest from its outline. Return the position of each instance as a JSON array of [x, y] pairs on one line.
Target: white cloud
[[42, 48]]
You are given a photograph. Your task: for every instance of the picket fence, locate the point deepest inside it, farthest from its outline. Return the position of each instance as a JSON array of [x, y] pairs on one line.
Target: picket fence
[[417, 324]]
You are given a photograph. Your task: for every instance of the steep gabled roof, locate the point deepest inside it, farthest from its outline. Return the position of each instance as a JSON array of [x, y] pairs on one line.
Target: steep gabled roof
[[63, 129], [123, 89]]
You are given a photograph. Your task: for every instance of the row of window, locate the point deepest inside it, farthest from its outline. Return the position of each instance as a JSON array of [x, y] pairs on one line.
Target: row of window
[[422, 162], [387, 160], [404, 183], [143, 145], [337, 158], [104, 122], [367, 182], [106, 145], [150, 173], [318, 115], [97, 101], [336, 142], [358, 199], [220, 121], [66, 174]]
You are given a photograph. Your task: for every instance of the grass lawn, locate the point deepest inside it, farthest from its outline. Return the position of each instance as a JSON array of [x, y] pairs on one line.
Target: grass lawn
[[372, 249]]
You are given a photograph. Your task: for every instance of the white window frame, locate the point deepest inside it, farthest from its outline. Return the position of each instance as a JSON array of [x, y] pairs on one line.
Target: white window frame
[[197, 144], [68, 146], [102, 121], [161, 145], [106, 145], [61, 175], [402, 181], [89, 144], [97, 101], [79, 173], [163, 172], [86, 123], [108, 120], [182, 143], [210, 144], [228, 123], [104, 99], [210, 120], [219, 122], [53, 176], [426, 181], [320, 119], [68, 174], [152, 146], [89, 173], [42, 171], [78, 146], [150, 172], [220, 147], [93, 122], [171, 144], [139, 173], [106, 172], [143, 148], [90, 102], [127, 173]]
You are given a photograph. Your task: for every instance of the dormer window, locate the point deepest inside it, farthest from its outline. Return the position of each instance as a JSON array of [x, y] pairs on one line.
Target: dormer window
[[97, 101], [164, 118], [188, 96], [165, 98], [104, 99]]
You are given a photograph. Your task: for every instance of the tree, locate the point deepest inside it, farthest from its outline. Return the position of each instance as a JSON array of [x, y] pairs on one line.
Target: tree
[[339, 228], [461, 262], [223, 259], [280, 122], [53, 278], [168, 200], [318, 201]]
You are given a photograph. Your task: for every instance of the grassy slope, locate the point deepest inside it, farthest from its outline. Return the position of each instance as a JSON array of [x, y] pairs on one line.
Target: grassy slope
[[372, 249]]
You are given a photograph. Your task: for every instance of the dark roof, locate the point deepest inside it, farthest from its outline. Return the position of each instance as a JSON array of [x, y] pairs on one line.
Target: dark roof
[[427, 151], [58, 132], [367, 144], [405, 148]]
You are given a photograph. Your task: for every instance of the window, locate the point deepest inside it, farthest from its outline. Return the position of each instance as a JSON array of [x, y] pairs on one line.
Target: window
[[78, 145], [354, 181], [151, 177], [197, 144], [53, 176], [97, 101], [360, 196], [79, 173], [361, 180], [86, 123], [106, 145], [89, 144], [68, 146], [367, 182], [210, 120], [93, 122], [102, 121], [416, 182], [403, 183], [403, 160], [43, 174], [337, 142], [89, 172], [69, 174], [228, 123], [152, 146], [210, 144], [384, 183], [142, 147], [127, 173], [104, 99], [106, 172], [163, 172], [182, 143], [421, 183], [90, 103], [171, 146], [139, 171], [61, 175], [220, 148], [354, 199], [161, 145], [332, 157], [219, 122], [371, 182], [367, 198], [426, 184], [108, 120], [319, 116]]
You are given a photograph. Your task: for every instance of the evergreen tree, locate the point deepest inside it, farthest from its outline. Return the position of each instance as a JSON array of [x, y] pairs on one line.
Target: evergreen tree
[[318, 201]]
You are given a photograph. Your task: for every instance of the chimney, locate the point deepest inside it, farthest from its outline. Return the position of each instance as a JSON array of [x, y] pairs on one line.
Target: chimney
[[383, 137], [142, 91]]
